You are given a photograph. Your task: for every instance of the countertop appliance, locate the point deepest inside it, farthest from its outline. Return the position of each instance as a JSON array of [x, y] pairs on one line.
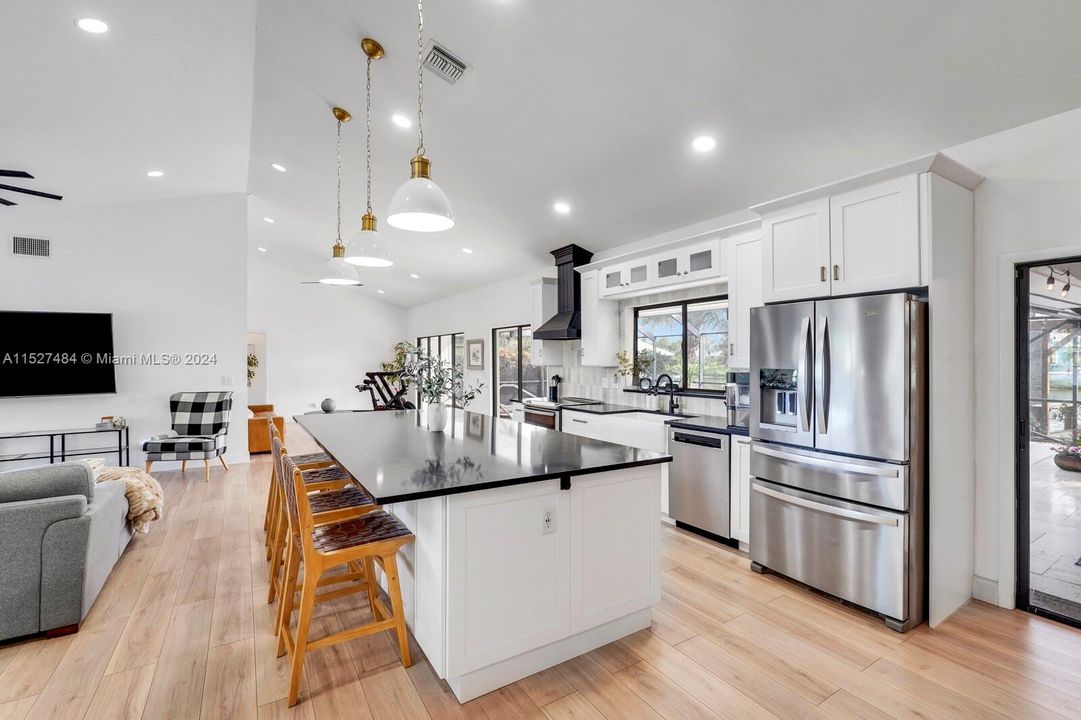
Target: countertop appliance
[[698, 482], [839, 428], [545, 413]]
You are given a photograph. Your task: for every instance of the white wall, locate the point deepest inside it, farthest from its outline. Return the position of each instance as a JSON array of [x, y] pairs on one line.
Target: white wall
[[172, 273], [1026, 210], [320, 340]]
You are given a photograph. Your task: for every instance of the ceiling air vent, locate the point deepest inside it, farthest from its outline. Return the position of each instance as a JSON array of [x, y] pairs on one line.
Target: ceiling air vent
[[32, 246], [441, 62]]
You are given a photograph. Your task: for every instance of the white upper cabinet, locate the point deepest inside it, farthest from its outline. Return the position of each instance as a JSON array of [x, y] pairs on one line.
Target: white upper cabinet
[[796, 252], [875, 237], [545, 306], [600, 324], [744, 292], [699, 261], [626, 277]]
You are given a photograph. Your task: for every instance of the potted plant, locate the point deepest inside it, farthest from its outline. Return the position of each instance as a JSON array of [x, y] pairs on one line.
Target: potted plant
[[436, 380], [1068, 457], [626, 366]]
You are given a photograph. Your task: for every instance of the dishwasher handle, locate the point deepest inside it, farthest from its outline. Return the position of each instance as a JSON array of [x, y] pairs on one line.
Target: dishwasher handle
[[714, 441]]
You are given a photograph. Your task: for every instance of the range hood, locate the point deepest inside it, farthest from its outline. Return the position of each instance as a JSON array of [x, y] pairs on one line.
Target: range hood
[[567, 323]]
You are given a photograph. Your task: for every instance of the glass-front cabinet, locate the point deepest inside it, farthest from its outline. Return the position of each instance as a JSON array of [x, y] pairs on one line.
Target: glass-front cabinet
[[699, 261], [626, 277]]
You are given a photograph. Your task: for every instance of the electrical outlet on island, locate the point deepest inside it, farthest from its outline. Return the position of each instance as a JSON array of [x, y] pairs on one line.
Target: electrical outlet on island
[[548, 521]]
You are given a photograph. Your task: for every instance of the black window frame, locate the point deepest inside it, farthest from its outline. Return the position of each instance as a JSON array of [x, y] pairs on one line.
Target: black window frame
[[495, 363], [682, 304], [455, 402]]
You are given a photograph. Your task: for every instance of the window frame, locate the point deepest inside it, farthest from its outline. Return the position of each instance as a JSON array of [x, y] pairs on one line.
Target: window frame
[[682, 305], [495, 363], [455, 402]]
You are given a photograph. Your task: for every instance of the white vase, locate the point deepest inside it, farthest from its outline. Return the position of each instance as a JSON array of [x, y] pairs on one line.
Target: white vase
[[437, 416]]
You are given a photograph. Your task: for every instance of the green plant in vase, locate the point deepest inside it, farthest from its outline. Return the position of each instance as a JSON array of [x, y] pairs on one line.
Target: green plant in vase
[[436, 380]]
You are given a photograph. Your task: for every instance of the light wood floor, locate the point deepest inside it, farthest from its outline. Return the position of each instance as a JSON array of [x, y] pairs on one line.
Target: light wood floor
[[182, 630]]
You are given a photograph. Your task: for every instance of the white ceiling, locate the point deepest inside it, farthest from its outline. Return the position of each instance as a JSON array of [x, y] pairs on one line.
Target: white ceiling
[[594, 103]]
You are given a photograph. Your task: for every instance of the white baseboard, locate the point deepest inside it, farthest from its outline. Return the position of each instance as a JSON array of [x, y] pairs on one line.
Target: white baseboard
[[985, 589]]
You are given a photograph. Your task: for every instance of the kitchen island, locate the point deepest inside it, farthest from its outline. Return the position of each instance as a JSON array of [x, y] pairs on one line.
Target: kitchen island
[[532, 546]]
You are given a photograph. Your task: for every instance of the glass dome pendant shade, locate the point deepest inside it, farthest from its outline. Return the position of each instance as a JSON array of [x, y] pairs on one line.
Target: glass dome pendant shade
[[367, 248], [336, 271]]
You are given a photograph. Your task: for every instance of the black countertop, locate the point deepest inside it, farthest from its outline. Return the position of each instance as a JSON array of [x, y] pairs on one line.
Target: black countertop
[[708, 423], [394, 456]]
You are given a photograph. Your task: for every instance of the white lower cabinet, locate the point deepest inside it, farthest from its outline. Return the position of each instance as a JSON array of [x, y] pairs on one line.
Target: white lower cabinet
[[740, 488]]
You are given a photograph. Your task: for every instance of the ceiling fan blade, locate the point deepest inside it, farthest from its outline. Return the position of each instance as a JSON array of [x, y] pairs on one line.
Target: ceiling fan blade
[[38, 193], [317, 282], [7, 202], [16, 173]]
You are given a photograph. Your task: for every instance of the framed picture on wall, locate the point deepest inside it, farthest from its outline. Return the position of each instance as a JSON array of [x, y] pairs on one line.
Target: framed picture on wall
[[474, 354]]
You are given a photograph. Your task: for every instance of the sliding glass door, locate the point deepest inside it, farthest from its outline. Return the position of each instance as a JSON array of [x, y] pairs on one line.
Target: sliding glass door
[[516, 377], [1049, 452]]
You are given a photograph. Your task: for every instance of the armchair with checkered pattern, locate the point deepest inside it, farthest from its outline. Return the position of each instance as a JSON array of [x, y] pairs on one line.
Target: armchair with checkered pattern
[[200, 424]]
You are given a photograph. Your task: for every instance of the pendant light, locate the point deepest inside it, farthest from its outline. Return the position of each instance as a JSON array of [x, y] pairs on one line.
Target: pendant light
[[1051, 279], [366, 248], [337, 271], [420, 205], [1066, 287]]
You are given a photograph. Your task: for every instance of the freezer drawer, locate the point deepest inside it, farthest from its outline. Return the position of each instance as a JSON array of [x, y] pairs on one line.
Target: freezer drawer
[[863, 481], [852, 551]]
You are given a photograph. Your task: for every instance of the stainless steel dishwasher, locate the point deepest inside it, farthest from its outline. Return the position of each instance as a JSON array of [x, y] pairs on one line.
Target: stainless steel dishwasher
[[698, 482]]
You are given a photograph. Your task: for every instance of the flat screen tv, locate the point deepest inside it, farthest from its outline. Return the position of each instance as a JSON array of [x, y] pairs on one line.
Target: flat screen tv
[[56, 353]]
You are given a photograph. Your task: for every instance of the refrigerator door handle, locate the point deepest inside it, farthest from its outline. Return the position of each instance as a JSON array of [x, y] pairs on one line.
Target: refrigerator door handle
[[884, 470], [822, 376], [802, 364], [828, 509]]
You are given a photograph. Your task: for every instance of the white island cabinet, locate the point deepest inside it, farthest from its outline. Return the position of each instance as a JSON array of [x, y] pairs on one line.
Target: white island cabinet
[[531, 546]]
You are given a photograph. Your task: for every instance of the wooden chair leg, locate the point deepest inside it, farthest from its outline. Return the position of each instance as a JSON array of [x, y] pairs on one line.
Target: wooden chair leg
[[223, 463], [149, 464], [183, 466], [390, 567], [307, 605], [206, 475], [270, 498], [369, 578], [277, 513], [280, 532], [288, 591]]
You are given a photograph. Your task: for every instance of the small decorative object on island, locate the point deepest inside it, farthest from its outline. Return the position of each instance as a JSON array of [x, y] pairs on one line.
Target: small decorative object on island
[[1068, 457], [436, 381], [328, 405]]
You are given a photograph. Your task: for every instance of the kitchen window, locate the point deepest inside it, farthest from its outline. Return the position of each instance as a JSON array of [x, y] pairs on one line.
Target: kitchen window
[[449, 348], [516, 377], [686, 340]]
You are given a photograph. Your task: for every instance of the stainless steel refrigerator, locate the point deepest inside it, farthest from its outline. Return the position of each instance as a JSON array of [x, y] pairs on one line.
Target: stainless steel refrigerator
[[839, 428]]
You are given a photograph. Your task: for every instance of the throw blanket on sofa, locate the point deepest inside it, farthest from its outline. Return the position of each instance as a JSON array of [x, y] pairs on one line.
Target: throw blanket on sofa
[[145, 501]]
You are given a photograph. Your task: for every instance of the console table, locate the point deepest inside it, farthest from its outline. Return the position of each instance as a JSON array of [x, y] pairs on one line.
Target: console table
[[58, 450]]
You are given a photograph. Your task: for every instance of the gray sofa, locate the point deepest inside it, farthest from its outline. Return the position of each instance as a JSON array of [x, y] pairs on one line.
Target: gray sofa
[[60, 536]]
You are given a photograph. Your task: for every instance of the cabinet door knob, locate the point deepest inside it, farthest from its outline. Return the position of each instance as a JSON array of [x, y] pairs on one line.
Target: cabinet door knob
[[822, 273], [836, 272]]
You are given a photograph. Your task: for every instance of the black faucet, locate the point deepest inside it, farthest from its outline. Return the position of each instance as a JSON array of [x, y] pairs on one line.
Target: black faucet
[[673, 404]]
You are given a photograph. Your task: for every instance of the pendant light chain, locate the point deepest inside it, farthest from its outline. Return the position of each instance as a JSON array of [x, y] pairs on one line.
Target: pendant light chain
[[339, 182], [368, 90], [420, 77]]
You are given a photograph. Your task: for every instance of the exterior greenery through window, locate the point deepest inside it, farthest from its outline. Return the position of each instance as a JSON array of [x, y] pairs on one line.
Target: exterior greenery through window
[[687, 340], [516, 377], [450, 349]]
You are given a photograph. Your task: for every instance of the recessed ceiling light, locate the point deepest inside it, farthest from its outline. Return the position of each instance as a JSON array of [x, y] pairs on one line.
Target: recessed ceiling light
[[704, 143], [277, 166], [269, 220], [401, 120], [467, 251], [261, 249], [414, 276], [562, 208], [154, 173], [92, 25]]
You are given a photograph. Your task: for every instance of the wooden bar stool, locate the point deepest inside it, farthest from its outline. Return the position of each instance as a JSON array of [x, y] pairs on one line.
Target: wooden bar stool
[[328, 506], [373, 538], [319, 475], [273, 500]]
